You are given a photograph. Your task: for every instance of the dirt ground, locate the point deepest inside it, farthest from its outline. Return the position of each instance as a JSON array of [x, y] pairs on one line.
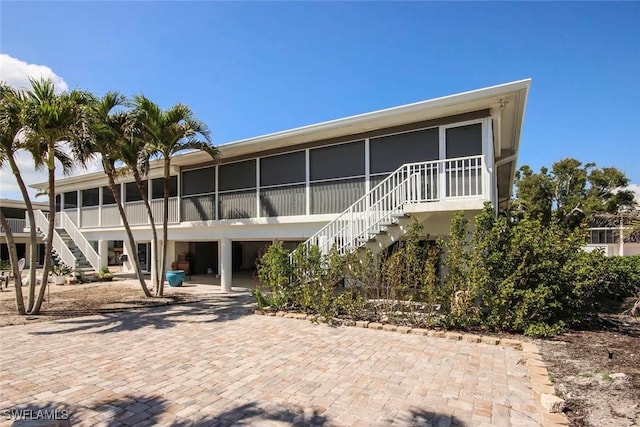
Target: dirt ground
[[86, 300], [596, 370]]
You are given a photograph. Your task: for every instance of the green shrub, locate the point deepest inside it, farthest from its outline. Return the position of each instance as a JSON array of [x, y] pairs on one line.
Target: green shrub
[[274, 274], [622, 276]]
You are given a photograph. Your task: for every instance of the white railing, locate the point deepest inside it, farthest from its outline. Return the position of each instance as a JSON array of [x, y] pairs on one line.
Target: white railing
[[137, 212], [61, 248], [174, 210], [90, 216], [16, 225], [411, 183], [110, 216], [81, 242]]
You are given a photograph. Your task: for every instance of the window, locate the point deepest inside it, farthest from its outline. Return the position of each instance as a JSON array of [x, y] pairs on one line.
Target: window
[[157, 187], [198, 181], [388, 153], [283, 169], [107, 197], [91, 197], [237, 176], [71, 200], [337, 161], [464, 141], [132, 192]]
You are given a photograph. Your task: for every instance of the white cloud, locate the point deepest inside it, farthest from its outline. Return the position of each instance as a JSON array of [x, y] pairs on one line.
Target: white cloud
[[9, 187], [16, 73]]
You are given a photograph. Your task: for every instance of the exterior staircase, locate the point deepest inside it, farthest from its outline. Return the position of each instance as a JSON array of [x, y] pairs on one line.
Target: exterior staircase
[[81, 262], [378, 218], [69, 244]]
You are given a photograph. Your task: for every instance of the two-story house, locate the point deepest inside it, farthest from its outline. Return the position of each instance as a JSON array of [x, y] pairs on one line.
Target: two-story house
[[348, 182]]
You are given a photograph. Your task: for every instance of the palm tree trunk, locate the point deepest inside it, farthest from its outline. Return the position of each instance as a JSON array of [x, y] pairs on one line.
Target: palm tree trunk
[[165, 223], [13, 259], [33, 243], [49, 246], [145, 198], [127, 227]]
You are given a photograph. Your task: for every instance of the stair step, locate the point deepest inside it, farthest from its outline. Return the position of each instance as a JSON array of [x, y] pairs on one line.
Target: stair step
[[399, 215]]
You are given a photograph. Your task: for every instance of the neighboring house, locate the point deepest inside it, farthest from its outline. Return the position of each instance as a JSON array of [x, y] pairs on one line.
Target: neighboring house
[[605, 231], [424, 160], [15, 213]]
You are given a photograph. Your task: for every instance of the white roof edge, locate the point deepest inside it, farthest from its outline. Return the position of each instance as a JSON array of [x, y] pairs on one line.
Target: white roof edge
[[378, 114]]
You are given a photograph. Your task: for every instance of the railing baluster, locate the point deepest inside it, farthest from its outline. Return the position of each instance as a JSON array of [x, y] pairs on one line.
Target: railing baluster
[[413, 182]]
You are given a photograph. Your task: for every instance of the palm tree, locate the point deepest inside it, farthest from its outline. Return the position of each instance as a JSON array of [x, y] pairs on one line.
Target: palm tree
[[167, 133], [51, 120], [10, 126], [13, 259], [107, 131], [135, 156]]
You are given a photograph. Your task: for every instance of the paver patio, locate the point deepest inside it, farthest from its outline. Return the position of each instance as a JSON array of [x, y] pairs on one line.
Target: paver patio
[[212, 363]]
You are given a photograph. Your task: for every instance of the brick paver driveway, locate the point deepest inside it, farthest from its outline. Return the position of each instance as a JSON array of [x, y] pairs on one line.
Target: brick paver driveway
[[212, 363]]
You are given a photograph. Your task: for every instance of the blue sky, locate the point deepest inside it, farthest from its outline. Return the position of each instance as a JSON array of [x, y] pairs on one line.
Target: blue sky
[[249, 68]]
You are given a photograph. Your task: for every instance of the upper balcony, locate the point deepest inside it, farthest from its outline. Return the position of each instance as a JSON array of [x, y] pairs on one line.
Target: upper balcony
[[16, 225], [450, 184]]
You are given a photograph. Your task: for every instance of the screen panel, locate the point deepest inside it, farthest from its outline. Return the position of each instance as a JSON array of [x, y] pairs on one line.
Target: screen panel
[[283, 169], [235, 176], [390, 152], [157, 189], [107, 196], [337, 161], [464, 141], [132, 192], [71, 200], [199, 181], [91, 197]]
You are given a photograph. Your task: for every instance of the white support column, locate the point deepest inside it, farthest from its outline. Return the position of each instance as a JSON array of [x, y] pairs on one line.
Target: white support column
[[442, 175], [78, 208], [488, 168], [367, 166], [258, 187], [100, 200], [224, 256], [103, 251], [217, 195], [307, 179]]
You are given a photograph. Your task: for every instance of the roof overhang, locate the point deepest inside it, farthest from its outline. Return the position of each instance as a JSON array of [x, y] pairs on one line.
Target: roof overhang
[[20, 204]]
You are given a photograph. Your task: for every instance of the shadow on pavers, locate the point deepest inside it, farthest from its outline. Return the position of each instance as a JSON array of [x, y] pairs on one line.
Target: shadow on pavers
[[148, 410], [220, 308]]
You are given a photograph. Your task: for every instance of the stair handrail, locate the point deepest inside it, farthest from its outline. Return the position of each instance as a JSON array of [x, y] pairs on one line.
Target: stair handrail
[[408, 179], [60, 247], [81, 242]]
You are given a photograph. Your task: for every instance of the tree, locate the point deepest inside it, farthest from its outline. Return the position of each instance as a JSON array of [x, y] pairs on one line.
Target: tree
[[51, 120], [166, 133], [13, 259], [11, 102], [134, 154], [571, 192], [108, 139]]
